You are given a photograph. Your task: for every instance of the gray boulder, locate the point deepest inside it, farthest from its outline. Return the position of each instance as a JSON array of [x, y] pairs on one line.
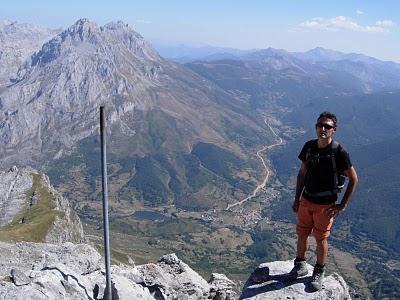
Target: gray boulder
[[19, 278]]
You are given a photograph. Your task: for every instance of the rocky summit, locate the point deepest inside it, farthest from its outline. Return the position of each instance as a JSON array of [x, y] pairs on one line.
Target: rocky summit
[[74, 271]]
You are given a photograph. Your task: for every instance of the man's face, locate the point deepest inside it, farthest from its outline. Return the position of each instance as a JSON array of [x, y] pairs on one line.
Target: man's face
[[325, 128]]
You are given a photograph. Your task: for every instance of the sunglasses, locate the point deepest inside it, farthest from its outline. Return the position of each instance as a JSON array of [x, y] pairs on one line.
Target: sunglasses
[[327, 126]]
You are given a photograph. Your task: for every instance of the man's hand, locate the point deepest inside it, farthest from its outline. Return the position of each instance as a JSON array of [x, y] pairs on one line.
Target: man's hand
[[336, 210], [295, 205]]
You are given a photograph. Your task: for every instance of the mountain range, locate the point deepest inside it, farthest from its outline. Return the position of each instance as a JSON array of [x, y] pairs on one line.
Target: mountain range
[[162, 117]]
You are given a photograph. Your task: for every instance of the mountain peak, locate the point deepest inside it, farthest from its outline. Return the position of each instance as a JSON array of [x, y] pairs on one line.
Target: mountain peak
[[86, 38], [83, 22], [5, 22], [324, 51], [319, 48], [118, 25], [82, 28]]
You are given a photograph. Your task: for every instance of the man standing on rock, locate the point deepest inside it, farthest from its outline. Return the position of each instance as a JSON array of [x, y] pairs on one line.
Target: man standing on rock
[[324, 166]]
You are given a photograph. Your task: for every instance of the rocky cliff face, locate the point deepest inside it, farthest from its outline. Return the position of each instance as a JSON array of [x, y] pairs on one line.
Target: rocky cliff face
[[13, 198], [18, 41], [32, 210], [68, 271], [56, 95]]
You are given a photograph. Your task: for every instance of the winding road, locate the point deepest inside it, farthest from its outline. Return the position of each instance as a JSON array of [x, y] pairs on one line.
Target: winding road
[[262, 185]]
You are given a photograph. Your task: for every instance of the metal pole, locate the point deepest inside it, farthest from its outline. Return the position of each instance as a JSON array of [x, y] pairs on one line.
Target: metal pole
[[107, 292]]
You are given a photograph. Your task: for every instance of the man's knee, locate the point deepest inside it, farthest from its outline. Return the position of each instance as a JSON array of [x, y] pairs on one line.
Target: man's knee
[[303, 232], [320, 236]]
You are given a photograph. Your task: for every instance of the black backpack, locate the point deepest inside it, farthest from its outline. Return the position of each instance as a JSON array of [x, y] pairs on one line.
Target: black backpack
[[339, 179]]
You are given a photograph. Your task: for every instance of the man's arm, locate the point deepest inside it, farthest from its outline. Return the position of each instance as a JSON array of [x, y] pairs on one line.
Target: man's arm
[[351, 187], [299, 185]]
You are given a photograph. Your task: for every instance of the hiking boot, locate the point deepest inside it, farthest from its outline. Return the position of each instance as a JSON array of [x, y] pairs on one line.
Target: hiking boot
[[299, 269], [260, 275], [317, 277]]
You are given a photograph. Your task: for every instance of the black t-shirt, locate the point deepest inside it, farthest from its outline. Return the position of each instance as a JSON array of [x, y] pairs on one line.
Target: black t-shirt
[[319, 176]]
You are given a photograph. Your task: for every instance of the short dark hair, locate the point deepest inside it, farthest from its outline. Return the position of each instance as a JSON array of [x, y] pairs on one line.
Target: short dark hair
[[328, 115]]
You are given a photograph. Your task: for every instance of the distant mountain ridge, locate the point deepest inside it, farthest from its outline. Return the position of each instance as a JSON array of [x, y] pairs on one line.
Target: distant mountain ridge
[[296, 78], [184, 53]]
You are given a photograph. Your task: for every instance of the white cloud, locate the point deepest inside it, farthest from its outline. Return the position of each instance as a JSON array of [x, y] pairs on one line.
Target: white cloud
[[344, 23], [385, 23], [359, 12]]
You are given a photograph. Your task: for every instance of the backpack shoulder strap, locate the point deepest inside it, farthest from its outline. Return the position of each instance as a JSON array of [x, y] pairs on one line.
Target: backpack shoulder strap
[[334, 150]]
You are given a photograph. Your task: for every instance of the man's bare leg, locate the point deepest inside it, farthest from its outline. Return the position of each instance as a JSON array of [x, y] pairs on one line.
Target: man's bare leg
[[302, 246], [322, 251], [300, 266]]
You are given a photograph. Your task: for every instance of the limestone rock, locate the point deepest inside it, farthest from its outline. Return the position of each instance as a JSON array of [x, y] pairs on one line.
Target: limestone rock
[[123, 288], [222, 287], [173, 279], [13, 185], [73, 271], [277, 286], [19, 278], [47, 271]]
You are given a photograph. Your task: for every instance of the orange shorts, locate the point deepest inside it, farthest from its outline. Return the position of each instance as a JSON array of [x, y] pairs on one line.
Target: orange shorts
[[313, 218]]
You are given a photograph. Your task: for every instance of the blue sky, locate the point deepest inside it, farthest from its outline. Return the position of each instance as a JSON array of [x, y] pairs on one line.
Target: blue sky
[[368, 27]]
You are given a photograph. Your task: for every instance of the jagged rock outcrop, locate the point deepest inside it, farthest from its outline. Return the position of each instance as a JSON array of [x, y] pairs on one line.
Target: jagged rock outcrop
[[70, 271], [32, 210], [276, 286]]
